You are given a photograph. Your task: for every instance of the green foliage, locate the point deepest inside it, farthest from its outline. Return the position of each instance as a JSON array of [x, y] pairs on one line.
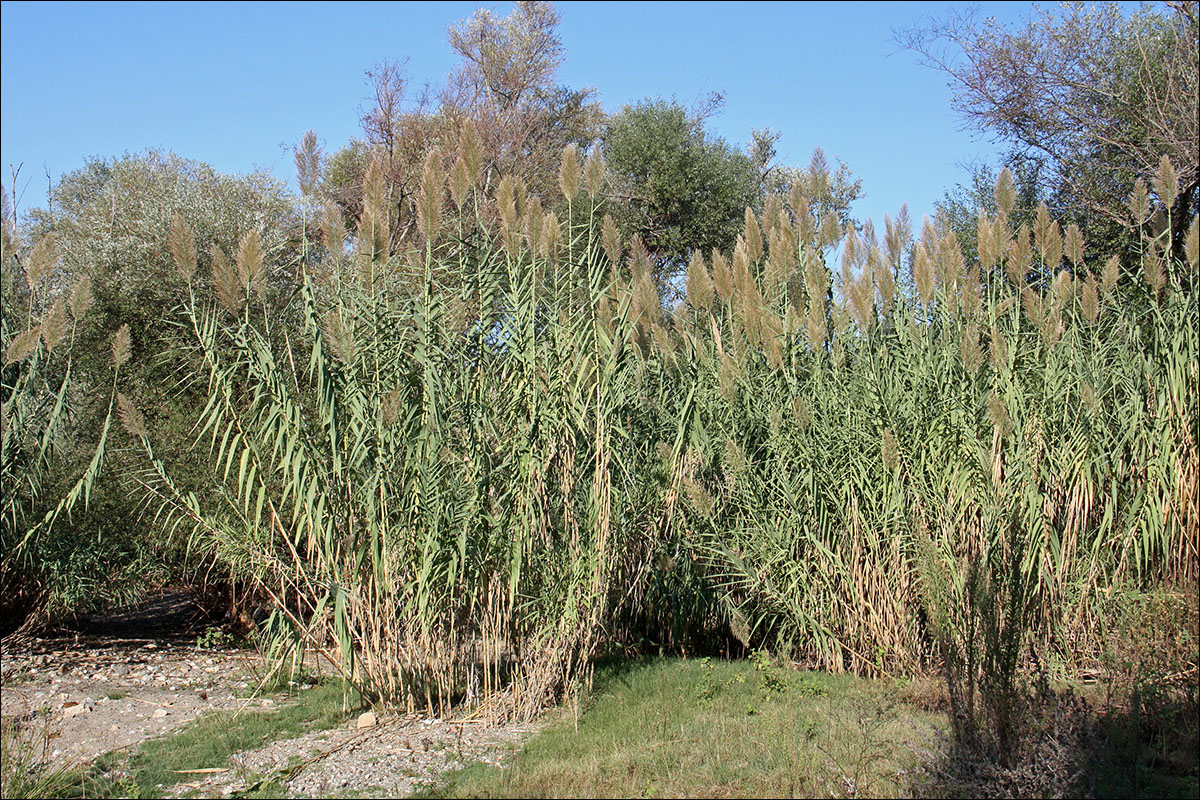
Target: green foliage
[[679, 187], [110, 223]]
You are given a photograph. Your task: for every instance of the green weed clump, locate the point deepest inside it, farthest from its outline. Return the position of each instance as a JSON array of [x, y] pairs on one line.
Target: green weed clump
[[26, 769]]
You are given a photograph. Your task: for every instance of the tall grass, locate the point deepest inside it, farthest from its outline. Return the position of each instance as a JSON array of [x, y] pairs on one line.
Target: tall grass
[[487, 454]]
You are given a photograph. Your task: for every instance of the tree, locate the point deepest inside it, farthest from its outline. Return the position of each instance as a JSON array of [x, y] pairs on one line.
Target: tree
[[504, 87], [675, 185], [1096, 99], [111, 223]]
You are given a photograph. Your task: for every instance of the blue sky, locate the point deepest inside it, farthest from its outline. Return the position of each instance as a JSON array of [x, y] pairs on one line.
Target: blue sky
[[236, 85]]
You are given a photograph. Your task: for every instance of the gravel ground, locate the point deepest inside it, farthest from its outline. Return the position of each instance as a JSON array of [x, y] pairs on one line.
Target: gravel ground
[[115, 681], [389, 759]]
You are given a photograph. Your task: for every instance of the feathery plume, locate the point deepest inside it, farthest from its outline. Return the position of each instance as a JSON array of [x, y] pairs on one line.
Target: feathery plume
[[897, 236], [1005, 192], [797, 198], [923, 274], [610, 240], [81, 297], [989, 250], [41, 261], [971, 299], [998, 350], [131, 418], [800, 412], [1041, 227], [1166, 182], [374, 189], [1153, 270], [1139, 199], [568, 172], [308, 163], [806, 226], [551, 235], [122, 345], [889, 450], [249, 259], [1074, 246], [533, 224], [772, 208], [1090, 299], [333, 229], [851, 253], [460, 182], [639, 259], [831, 231], [1051, 246], [972, 356], [183, 248], [951, 265], [506, 202], [752, 235], [698, 498], [1031, 303], [862, 301], [1109, 275], [699, 284], [390, 406], [722, 276], [594, 171], [815, 326], [433, 187], [1191, 246], [54, 324], [469, 149], [998, 413], [887, 288], [741, 266], [1020, 257], [1063, 288], [225, 280], [339, 337], [818, 175], [21, 346], [1052, 326]]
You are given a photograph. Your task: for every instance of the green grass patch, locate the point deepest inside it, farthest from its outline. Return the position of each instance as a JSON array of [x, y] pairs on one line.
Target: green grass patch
[[671, 727], [210, 740]]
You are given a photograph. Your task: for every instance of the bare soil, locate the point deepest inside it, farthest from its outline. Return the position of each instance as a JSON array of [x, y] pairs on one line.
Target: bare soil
[[110, 682]]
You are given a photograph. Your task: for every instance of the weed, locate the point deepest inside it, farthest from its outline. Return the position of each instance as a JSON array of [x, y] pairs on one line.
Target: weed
[[26, 769]]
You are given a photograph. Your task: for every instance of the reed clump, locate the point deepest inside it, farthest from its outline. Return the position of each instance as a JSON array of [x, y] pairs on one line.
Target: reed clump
[[494, 454]]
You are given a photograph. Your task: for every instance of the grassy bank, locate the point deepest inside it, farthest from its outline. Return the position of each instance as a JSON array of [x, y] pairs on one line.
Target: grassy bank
[[669, 727]]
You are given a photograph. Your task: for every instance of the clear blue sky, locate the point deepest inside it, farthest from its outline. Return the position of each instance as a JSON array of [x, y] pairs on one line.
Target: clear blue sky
[[236, 85]]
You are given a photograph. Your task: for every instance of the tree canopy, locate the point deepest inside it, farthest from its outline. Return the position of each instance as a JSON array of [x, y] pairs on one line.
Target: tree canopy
[[678, 187], [1094, 98]]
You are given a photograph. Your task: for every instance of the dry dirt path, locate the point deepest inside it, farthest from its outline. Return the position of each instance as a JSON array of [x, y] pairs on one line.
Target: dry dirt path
[[117, 680]]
